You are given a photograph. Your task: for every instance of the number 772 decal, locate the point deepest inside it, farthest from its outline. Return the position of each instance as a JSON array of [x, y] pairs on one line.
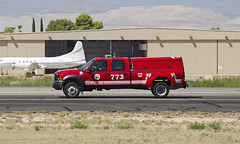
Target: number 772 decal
[[117, 76]]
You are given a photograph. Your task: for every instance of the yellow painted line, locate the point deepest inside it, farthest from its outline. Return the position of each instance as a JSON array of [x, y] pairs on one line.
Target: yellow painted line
[[119, 99]]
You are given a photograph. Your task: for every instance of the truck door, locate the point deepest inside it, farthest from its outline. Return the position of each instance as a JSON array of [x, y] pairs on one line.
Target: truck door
[[98, 76], [119, 74], [108, 74]]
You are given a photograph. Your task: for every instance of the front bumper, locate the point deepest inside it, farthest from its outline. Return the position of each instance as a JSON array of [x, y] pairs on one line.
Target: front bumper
[[57, 85]]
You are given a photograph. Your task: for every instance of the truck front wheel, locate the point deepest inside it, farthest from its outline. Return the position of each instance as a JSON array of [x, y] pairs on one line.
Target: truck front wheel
[[71, 90], [160, 90]]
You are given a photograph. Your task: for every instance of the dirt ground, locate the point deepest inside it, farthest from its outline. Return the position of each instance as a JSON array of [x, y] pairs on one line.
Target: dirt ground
[[119, 127]]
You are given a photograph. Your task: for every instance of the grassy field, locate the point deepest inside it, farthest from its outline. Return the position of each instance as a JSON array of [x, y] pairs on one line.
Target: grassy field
[[43, 81], [119, 127], [46, 81], [229, 81]]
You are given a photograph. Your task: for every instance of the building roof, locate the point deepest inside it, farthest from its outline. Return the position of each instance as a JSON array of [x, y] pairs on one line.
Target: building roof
[[159, 34]]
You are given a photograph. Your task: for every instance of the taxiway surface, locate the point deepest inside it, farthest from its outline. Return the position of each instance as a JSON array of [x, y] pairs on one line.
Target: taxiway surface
[[190, 99]]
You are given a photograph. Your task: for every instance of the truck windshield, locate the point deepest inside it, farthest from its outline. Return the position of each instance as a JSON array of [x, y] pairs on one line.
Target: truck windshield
[[87, 64]]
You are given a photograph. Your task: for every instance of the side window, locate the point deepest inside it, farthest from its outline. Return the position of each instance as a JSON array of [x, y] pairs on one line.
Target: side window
[[99, 66], [118, 65]]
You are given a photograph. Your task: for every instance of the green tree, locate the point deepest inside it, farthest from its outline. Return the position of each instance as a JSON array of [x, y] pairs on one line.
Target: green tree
[[215, 28], [9, 29], [85, 22], [33, 25], [97, 25], [60, 25], [19, 28], [41, 25]]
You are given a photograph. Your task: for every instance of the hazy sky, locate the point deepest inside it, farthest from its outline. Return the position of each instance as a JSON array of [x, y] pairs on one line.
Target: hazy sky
[[196, 14], [225, 7]]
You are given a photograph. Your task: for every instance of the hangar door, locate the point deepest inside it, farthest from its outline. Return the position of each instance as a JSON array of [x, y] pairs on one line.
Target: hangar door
[[95, 49], [92, 48], [116, 48], [126, 49]]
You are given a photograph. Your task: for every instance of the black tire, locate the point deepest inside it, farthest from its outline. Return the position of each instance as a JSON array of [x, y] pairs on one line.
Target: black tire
[[33, 73], [71, 90], [160, 90]]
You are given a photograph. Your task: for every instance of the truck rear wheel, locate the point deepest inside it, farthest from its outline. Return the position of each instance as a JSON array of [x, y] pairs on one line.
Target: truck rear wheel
[[160, 90], [71, 90]]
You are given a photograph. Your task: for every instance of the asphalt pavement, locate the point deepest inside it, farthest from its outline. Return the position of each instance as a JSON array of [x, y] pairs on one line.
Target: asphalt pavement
[[190, 99]]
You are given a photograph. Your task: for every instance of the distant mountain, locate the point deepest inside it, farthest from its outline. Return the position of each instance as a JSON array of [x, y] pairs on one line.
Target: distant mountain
[[229, 8], [172, 16]]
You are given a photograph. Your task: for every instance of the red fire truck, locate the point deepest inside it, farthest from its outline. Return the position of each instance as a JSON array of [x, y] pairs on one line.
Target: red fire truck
[[158, 74]]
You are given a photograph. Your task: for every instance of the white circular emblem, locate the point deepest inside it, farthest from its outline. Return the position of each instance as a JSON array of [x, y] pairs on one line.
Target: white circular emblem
[[97, 77], [81, 73]]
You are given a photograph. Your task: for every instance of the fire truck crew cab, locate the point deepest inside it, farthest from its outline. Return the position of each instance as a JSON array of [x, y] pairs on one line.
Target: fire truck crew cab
[[158, 74]]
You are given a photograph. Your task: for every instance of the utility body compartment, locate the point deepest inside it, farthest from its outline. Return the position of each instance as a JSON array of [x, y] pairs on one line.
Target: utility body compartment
[[157, 63]]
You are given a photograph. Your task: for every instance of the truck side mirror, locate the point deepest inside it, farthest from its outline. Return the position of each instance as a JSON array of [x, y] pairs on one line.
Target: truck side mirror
[[89, 70]]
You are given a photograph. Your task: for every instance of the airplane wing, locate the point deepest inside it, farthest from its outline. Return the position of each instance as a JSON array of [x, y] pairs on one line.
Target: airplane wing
[[26, 66], [41, 66], [33, 66]]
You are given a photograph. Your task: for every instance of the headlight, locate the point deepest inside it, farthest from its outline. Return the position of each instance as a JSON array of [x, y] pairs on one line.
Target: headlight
[[57, 77]]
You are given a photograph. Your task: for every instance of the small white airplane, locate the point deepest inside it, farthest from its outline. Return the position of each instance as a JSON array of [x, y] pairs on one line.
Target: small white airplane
[[75, 58]]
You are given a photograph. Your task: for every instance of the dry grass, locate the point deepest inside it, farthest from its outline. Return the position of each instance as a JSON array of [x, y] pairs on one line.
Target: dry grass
[[119, 127], [45, 81], [227, 81]]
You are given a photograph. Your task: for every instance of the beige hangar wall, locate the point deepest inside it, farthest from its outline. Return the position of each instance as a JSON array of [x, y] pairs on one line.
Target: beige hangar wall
[[26, 48], [3, 49], [199, 57], [229, 57], [203, 51], [23, 49]]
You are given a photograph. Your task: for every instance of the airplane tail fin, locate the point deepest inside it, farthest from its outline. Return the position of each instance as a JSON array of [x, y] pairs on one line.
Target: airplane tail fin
[[77, 53]]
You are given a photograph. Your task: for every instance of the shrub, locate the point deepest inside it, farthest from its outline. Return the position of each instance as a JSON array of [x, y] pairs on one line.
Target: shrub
[[120, 112], [197, 126], [106, 127], [79, 126], [9, 127], [28, 74], [215, 126], [125, 126], [37, 128]]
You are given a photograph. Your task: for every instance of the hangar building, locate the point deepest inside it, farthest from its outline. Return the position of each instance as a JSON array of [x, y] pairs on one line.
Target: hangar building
[[204, 52]]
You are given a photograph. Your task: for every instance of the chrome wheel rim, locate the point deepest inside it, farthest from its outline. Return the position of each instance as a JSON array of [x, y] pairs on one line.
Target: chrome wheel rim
[[72, 90], [161, 90]]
